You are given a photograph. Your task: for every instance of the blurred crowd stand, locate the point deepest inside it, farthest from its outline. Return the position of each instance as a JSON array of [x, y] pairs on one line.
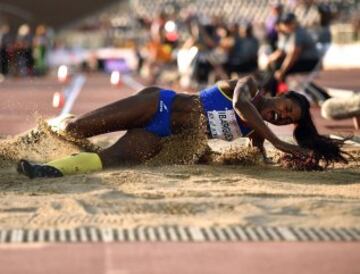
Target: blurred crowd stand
[[23, 53], [191, 42]]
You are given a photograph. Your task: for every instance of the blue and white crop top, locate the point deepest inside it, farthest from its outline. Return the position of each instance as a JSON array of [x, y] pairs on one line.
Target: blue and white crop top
[[223, 122]]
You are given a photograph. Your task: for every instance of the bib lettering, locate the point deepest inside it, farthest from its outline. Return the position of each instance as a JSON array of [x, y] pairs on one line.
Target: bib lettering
[[223, 125]]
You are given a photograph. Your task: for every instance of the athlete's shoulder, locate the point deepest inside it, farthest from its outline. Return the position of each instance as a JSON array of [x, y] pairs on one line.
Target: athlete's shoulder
[[228, 86]]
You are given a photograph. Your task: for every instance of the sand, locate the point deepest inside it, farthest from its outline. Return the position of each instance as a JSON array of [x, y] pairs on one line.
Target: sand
[[248, 193]]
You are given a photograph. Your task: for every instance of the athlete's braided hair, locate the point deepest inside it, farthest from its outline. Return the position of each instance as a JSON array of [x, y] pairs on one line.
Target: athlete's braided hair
[[306, 135]]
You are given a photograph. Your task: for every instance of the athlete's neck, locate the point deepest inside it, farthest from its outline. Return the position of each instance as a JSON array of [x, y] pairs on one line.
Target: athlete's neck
[[260, 103]]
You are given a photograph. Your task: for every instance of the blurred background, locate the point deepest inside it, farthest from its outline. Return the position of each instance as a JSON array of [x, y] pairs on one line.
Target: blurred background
[[183, 44]]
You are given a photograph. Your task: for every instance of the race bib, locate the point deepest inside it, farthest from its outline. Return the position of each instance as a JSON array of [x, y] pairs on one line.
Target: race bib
[[223, 125]]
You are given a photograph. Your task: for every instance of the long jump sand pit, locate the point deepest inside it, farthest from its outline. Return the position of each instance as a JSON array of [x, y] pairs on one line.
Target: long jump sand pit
[[187, 195]]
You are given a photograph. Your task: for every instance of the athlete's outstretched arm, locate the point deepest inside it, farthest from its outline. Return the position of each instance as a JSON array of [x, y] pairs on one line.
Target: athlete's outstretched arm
[[246, 110]]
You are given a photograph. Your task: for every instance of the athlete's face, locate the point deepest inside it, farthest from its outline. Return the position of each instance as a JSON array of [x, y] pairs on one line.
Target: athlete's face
[[281, 111]]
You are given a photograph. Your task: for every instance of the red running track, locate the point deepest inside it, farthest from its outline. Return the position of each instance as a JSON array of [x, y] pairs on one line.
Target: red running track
[[182, 258]]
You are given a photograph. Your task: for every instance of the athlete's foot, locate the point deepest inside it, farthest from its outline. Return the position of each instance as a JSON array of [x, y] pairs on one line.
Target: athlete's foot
[[37, 171], [59, 124]]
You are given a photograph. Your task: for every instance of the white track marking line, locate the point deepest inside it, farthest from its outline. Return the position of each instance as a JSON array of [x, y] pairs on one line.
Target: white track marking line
[[152, 235], [93, 235], [287, 234], [172, 233], [107, 235], [74, 90], [141, 234], [196, 234]]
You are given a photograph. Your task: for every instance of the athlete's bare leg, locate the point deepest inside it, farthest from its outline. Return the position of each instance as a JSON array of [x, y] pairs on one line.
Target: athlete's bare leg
[[136, 146], [132, 112]]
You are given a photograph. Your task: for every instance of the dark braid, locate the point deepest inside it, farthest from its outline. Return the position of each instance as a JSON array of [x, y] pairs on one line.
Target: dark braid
[[306, 135]]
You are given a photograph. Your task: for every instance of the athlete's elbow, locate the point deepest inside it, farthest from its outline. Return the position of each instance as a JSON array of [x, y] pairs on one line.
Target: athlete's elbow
[[240, 103]]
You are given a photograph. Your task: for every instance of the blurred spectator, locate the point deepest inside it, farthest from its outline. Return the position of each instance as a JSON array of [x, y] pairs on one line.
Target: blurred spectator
[[203, 37], [323, 33], [249, 48], [40, 45], [5, 44], [218, 55], [271, 24], [296, 51], [157, 28], [159, 51], [356, 25], [234, 52], [23, 51], [244, 56]]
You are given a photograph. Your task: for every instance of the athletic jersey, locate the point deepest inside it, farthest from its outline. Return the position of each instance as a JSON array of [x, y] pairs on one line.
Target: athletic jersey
[[223, 122]]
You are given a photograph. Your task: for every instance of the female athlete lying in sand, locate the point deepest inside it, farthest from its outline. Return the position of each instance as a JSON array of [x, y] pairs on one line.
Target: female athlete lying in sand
[[232, 109]]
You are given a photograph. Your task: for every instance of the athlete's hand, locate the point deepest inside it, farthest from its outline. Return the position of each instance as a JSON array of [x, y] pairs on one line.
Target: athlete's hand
[[293, 149]]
